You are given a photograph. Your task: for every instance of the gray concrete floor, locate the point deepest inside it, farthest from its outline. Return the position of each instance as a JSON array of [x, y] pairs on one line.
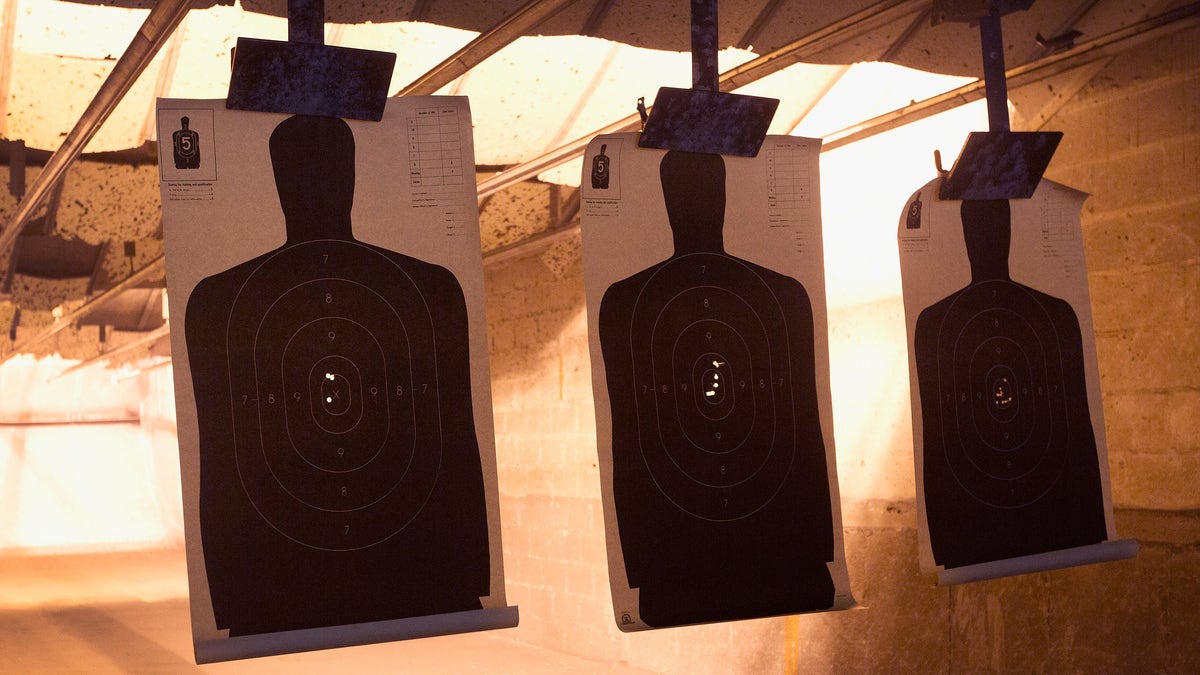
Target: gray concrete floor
[[128, 613]]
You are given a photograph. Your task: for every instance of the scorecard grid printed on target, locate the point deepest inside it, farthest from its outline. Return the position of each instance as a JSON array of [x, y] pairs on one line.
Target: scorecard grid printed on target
[[332, 379], [707, 328]]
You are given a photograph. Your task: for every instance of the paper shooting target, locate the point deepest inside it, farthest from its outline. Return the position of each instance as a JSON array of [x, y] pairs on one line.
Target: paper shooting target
[[720, 483], [340, 473], [1008, 453]]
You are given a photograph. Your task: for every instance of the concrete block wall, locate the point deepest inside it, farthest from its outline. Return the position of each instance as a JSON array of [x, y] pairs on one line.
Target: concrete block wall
[[553, 529], [1133, 141]]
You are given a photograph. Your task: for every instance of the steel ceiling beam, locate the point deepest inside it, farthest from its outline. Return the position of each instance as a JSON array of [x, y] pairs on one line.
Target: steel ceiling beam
[[1182, 18], [848, 28], [765, 16], [149, 271], [1064, 90], [558, 156], [919, 21], [420, 10], [160, 23], [520, 248], [596, 16], [487, 43], [155, 32], [1081, 55], [144, 341], [834, 82], [166, 75]]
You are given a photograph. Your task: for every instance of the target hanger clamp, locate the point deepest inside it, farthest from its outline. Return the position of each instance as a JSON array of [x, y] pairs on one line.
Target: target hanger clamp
[[998, 163], [703, 118], [304, 76]]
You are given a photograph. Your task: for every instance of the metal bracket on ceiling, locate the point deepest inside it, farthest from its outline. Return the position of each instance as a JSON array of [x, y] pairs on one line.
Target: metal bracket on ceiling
[[703, 118], [1059, 42], [999, 163], [304, 76]]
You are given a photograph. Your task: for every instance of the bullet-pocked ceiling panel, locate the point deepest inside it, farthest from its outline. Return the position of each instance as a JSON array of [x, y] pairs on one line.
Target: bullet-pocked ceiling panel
[[532, 95], [537, 94], [418, 46], [102, 201], [48, 93], [575, 87], [950, 48], [73, 29], [514, 214], [800, 89], [546, 88]]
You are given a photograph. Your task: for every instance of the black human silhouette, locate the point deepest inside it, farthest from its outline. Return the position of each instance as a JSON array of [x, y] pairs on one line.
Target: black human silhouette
[[1010, 464], [186, 146], [719, 473], [340, 477], [600, 170]]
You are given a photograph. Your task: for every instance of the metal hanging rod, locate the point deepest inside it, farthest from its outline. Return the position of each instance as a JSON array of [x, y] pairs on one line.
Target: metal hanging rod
[[1082, 54], [848, 28]]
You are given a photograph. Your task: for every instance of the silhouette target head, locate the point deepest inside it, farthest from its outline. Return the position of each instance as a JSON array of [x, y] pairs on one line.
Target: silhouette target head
[[987, 232], [693, 186], [313, 161]]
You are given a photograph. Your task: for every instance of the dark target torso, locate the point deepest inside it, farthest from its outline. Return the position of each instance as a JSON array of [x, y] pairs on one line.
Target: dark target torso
[[1009, 461], [720, 482], [713, 386], [335, 390], [719, 474], [1005, 425]]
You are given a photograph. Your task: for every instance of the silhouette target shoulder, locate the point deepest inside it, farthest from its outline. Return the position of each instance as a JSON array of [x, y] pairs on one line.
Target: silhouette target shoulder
[[340, 477], [1010, 466], [719, 472]]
